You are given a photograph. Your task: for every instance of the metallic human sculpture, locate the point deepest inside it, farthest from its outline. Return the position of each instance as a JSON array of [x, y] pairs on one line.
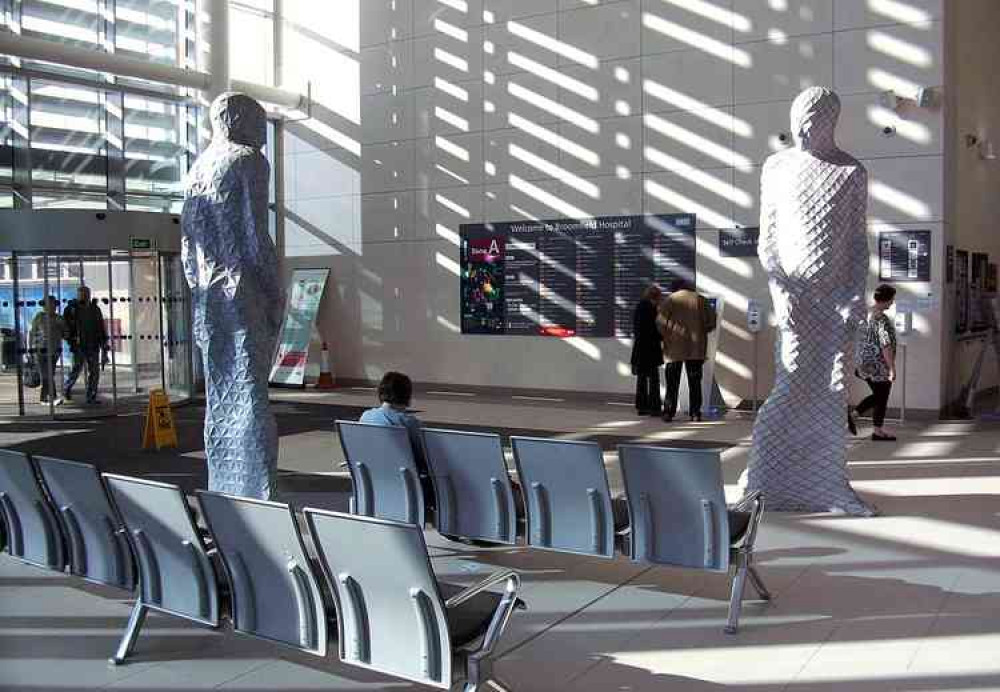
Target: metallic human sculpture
[[814, 248], [232, 268]]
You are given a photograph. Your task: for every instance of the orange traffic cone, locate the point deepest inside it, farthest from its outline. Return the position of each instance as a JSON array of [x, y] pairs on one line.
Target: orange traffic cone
[[325, 380]]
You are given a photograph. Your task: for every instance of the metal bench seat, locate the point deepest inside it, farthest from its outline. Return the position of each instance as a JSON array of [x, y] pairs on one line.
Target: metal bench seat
[[395, 617], [33, 532], [677, 505]]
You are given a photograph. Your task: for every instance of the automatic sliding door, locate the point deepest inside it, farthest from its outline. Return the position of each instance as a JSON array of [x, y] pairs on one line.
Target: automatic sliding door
[[9, 347]]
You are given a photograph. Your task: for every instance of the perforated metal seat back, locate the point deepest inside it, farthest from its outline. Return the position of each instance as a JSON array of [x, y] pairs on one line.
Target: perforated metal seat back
[[33, 532], [474, 495], [390, 612], [275, 593], [97, 546], [383, 471], [175, 574], [678, 506], [566, 493]]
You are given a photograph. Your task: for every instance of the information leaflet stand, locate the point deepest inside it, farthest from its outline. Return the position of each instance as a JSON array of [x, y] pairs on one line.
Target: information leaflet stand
[[305, 295]]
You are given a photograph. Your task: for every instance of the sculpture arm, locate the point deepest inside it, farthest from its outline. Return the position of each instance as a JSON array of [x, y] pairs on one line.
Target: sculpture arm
[[262, 254], [767, 247], [859, 252]]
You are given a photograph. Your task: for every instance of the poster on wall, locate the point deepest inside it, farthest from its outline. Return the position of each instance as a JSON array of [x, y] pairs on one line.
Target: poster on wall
[[961, 291], [979, 318], [304, 296], [569, 277], [904, 256]]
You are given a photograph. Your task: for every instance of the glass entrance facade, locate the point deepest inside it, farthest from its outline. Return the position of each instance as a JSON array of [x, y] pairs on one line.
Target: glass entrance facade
[[143, 301]]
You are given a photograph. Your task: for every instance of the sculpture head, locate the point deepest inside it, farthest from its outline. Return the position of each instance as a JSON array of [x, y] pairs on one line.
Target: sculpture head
[[239, 119], [814, 119]]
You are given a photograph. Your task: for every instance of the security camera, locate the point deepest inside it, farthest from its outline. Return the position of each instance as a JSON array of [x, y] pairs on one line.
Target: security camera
[[888, 131], [101, 216], [783, 137]]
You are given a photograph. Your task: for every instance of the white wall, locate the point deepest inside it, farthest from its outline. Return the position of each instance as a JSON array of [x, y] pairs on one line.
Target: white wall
[[433, 113]]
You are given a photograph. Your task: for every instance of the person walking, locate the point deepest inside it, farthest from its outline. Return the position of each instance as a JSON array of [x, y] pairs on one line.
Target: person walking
[[876, 363], [88, 339], [685, 321], [647, 352], [45, 337]]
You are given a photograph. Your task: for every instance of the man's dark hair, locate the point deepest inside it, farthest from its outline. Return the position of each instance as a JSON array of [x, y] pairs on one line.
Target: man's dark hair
[[395, 389], [885, 293]]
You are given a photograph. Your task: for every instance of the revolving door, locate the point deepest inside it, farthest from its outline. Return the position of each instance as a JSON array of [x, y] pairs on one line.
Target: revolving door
[[144, 307]]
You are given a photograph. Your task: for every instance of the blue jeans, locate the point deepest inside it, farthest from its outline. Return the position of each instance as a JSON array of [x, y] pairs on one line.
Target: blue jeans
[[92, 359]]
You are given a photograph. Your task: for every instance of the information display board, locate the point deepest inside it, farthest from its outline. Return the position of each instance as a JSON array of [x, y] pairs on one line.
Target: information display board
[[569, 277], [305, 294], [904, 256]]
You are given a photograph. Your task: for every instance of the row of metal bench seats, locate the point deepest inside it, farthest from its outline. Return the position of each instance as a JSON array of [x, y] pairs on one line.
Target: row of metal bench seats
[[367, 582], [673, 511]]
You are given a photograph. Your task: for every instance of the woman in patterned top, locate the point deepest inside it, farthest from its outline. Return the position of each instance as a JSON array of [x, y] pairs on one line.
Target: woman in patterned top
[[876, 361]]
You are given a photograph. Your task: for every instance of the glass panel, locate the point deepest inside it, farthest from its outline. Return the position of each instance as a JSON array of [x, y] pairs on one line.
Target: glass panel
[[66, 21], [68, 199], [8, 339], [67, 142], [176, 307], [32, 271], [91, 271], [251, 50], [147, 29], [155, 156], [145, 304]]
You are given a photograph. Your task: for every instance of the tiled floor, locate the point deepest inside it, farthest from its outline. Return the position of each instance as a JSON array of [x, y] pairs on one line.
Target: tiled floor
[[906, 601]]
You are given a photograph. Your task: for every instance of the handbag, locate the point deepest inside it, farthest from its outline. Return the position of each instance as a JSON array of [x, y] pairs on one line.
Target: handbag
[[31, 377]]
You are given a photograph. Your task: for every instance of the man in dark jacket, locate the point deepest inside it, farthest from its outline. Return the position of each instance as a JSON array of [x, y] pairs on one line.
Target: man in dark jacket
[[647, 353], [685, 320], [88, 339]]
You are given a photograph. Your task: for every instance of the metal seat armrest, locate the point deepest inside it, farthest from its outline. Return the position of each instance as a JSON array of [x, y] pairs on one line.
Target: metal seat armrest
[[501, 616], [493, 579], [748, 503], [753, 503]]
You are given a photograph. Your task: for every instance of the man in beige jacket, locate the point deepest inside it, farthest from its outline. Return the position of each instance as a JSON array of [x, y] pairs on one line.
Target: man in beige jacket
[[685, 320]]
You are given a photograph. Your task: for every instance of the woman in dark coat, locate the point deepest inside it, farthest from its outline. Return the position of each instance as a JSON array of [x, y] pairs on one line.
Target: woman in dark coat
[[647, 353]]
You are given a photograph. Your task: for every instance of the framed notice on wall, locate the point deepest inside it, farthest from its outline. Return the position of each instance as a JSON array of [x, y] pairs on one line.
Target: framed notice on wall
[[961, 291], [904, 256], [304, 296], [979, 318]]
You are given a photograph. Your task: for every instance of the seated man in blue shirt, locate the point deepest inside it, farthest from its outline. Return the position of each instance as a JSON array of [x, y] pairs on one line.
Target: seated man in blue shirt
[[395, 392]]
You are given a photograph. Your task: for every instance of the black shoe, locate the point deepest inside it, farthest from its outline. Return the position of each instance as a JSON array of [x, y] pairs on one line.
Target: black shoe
[[851, 424], [696, 418], [668, 417], [883, 438]]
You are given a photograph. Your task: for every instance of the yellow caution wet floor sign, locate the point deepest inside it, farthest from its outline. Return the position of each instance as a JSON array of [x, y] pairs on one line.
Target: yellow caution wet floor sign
[[160, 429]]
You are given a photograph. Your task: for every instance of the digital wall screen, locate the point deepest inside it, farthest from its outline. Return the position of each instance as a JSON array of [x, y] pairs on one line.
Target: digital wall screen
[[569, 277]]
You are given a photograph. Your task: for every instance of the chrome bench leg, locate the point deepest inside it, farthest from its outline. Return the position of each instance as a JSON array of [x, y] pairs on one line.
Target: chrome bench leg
[[758, 584], [736, 598], [135, 622]]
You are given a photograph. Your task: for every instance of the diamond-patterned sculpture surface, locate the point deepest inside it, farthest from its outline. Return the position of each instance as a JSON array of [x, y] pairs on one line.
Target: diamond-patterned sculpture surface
[[814, 248], [232, 268]]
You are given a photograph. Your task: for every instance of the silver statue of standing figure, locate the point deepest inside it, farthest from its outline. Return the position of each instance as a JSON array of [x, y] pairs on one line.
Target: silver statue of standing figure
[[814, 248], [232, 268]]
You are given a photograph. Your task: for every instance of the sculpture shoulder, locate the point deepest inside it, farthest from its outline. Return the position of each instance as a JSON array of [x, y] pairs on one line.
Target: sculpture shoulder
[[779, 160]]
